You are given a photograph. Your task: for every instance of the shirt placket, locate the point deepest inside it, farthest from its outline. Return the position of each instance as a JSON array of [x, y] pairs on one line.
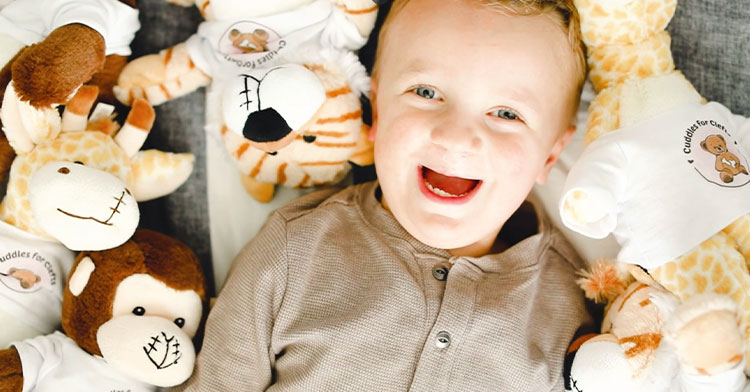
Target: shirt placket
[[443, 342]]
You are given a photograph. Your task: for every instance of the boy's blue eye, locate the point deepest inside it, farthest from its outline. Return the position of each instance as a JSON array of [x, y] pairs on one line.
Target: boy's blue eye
[[426, 92], [505, 114]]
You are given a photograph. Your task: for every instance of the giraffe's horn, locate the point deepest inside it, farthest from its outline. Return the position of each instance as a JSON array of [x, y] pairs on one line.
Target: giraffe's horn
[[139, 122], [76, 113]]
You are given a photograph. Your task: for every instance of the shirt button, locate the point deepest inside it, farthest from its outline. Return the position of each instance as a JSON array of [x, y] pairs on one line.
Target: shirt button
[[443, 339], [440, 271]]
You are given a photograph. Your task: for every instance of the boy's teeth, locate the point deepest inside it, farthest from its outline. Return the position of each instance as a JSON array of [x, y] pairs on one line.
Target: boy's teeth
[[439, 191]]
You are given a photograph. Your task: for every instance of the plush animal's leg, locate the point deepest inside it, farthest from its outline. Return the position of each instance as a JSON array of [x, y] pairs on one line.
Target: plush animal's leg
[[160, 77], [261, 191], [11, 373], [362, 13], [709, 345], [715, 266]]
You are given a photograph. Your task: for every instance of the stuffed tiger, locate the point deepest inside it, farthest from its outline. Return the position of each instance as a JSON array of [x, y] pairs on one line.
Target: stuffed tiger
[[302, 88], [282, 103]]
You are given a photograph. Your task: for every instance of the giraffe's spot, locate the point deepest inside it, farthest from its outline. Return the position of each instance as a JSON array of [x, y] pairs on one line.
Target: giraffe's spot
[[682, 285], [74, 136], [717, 274], [147, 165], [24, 169], [609, 64], [707, 262], [99, 158], [22, 186], [69, 148], [689, 262], [700, 282], [725, 287], [670, 269], [89, 144], [626, 65], [736, 296]]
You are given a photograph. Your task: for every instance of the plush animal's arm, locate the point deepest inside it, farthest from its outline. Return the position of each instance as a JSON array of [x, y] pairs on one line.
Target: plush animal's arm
[[11, 372], [50, 71], [160, 77], [592, 190]]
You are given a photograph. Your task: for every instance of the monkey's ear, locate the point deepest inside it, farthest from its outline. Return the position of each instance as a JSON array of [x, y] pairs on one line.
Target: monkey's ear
[[80, 277]]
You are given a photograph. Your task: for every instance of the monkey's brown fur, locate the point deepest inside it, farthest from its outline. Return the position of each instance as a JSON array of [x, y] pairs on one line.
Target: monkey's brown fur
[[148, 252]]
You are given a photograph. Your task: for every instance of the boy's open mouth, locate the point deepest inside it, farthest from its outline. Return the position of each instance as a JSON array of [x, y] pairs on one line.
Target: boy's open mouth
[[447, 187]]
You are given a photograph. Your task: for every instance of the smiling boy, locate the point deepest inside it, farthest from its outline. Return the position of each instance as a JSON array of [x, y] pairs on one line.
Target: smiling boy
[[409, 283]]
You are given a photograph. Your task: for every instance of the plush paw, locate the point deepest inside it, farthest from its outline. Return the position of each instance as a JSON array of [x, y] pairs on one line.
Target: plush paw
[[705, 336], [579, 207]]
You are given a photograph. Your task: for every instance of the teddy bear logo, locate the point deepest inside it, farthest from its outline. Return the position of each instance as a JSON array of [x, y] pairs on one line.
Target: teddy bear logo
[[254, 42], [727, 164], [26, 278]]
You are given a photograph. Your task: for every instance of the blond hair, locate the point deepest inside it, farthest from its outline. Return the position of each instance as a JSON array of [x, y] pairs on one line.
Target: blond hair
[[563, 11]]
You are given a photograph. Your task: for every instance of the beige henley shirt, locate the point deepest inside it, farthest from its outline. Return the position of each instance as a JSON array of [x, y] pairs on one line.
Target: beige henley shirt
[[334, 295]]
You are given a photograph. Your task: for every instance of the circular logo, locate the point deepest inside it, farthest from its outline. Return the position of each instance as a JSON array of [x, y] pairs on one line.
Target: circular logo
[[27, 273], [715, 154], [248, 38]]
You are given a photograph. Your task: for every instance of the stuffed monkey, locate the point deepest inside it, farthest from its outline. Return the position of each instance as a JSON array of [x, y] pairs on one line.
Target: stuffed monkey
[[129, 315]]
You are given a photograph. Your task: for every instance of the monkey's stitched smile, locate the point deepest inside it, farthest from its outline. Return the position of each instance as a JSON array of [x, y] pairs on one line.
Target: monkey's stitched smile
[[105, 222]]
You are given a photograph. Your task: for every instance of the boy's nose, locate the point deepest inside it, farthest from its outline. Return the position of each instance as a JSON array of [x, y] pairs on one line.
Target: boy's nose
[[456, 136]]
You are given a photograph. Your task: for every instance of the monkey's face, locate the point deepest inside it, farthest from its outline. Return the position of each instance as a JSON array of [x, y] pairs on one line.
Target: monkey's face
[[148, 336]]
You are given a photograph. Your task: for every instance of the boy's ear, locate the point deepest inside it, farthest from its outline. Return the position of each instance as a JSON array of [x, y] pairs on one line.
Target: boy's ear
[[374, 109], [554, 153]]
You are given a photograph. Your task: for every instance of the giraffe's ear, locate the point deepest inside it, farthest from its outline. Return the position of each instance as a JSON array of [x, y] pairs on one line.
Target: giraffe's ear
[[158, 173]]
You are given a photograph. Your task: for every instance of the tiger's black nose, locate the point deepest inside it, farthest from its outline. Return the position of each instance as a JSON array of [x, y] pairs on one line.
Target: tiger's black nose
[[265, 126]]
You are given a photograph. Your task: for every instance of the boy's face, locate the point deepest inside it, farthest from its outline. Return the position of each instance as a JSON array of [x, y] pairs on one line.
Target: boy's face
[[470, 106]]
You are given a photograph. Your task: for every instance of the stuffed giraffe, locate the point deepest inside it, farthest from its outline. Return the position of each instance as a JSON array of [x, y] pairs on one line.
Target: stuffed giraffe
[[654, 183], [73, 186]]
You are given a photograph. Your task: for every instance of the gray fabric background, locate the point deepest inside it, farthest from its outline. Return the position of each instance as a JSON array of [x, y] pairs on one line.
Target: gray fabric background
[[710, 41], [178, 128], [711, 45]]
